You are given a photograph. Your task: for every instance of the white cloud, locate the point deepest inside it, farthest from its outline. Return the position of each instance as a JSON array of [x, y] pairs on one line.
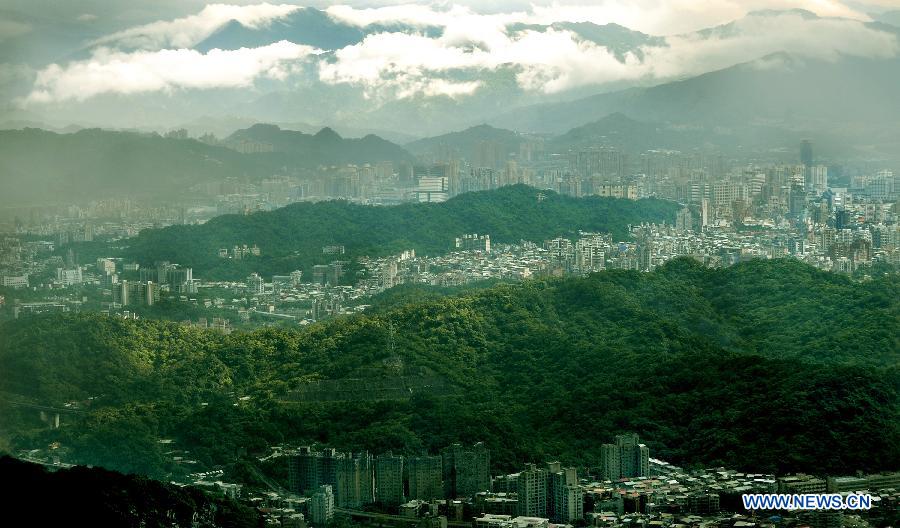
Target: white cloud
[[189, 31], [109, 71], [554, 61], [399, 64], [755, 37], [86, 17]]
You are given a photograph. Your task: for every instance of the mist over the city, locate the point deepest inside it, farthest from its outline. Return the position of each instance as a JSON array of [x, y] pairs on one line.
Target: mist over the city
[[387, 264]]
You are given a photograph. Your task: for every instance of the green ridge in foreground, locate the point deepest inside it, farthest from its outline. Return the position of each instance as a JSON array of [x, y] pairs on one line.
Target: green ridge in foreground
[[768, 366]]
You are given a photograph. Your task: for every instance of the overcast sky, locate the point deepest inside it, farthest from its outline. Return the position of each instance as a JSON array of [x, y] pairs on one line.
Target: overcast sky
[[136, 47]]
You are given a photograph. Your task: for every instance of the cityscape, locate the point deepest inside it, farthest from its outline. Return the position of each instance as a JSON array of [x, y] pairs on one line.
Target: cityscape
[[784, 211], [451, 265]]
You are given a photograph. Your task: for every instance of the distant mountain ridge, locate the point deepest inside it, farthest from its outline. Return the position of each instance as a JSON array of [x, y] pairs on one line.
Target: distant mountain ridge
[[42, 167], [773, 88], [466, 141], [779, 92], [325, 147]]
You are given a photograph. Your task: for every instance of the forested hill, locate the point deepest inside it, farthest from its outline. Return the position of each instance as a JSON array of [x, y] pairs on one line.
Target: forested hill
[[83, 496], [292, 237], [764, 366]]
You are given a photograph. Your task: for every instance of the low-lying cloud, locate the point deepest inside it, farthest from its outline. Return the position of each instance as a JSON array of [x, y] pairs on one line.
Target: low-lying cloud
[[110, 71], [397, 64], [553, 61]]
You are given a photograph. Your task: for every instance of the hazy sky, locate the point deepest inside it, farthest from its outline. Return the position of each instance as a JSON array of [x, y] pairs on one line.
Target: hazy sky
[[72, 51]]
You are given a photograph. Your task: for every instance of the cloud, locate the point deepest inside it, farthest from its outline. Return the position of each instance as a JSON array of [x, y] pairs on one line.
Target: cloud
[[86, 17], [109, 71], [757, 36], [658, 17], [471, 45], [553, 61], [189, 31]]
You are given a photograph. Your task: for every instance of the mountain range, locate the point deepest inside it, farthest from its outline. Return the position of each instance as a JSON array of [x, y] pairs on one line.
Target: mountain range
[[844, 94], [39, 167], [325, 147]]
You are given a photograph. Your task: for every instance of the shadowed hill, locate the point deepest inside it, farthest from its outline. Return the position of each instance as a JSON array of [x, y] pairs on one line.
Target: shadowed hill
[[97, 497]]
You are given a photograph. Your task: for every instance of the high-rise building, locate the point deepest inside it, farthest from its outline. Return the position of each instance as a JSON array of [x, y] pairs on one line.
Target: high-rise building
[[806, 153], [626, 458], [105, 266], [320, 274], [353, 476], [389, 480], [565, 498], [303, 471], [135, 293], [424, 477], [466, 470], [882, 186], [531, 489], [433, 189], [69, 277], [309, 469], [816, 179], [180, 279], [704, 212], [474, 242], [321, 506], [634, 457], [255, 284], [610, 466], [684, 220]]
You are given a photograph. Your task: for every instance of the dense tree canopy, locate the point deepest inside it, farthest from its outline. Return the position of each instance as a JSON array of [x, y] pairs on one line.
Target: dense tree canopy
[[764, 366], [292, 237]]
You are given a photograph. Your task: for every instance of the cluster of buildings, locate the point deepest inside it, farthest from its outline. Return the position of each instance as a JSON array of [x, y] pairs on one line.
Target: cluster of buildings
[[846, 243], [459, 477], [833, 217], [390, 480], [627, 490]]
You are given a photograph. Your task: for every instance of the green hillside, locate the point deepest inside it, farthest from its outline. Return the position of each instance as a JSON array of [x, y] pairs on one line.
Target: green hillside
[[97, 497], [292, 237], [765, 366]]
